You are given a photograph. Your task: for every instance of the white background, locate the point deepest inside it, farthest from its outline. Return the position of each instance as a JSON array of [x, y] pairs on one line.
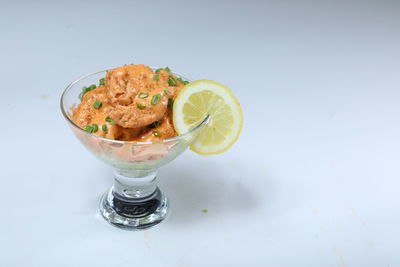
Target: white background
[[313, 180]]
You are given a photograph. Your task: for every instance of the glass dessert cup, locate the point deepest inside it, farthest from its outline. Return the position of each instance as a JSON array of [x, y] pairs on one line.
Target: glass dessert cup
[[134, 201]]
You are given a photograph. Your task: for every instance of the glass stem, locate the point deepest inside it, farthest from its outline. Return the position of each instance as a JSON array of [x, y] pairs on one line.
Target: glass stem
[[134, 201], [132, 188]]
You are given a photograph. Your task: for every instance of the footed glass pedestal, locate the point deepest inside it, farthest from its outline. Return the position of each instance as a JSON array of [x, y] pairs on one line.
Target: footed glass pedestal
[[134, 202]]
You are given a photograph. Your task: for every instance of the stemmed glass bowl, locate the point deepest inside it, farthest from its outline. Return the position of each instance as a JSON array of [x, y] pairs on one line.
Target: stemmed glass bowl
[[134, 201]]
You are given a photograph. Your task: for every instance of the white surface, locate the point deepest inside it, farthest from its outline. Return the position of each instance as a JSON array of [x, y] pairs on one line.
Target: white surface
[[313, 181]]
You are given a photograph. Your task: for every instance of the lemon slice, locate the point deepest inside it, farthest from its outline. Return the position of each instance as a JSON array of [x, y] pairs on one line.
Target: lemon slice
[[202, 97]]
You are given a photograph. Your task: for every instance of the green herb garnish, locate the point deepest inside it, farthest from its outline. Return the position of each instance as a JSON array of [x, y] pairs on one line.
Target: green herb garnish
[[160, 69], [97, 104], [156, 133], [182, 81], [171, 81], [104, 128], [166, 92], [92, 128], [204, 210], [109, 120], [143, 95], [89, 129], [156, 77], [140, 106], [85, 90], [155, 99], [101, 81]]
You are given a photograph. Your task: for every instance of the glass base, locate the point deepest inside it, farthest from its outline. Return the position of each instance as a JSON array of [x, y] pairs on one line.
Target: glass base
[[134, 214]]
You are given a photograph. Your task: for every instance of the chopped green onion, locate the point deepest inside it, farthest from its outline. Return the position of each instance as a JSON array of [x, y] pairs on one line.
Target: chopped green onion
[[156, 77], [109, 120], [85, 90], [140, 106], [204, 210], [97, 104], [81, 96], [143, 95], [155, 124], [95, 127], [182, 81], [166, 92], [155, 98], [104, 128], [89, 129], [101, 81], [156, 133], [170, 103], [166, 68], [171, 81]]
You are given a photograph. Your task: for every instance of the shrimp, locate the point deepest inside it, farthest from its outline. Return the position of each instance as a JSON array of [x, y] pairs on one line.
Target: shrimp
[[87, 115], [142, 112], [123, 83], [138, 98], [163, 130]]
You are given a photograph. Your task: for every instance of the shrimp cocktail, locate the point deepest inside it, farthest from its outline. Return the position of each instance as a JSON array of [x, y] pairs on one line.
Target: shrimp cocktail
[[138, 119]]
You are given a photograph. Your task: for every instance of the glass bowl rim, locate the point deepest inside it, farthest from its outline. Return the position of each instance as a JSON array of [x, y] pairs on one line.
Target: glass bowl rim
[[178, 137]]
